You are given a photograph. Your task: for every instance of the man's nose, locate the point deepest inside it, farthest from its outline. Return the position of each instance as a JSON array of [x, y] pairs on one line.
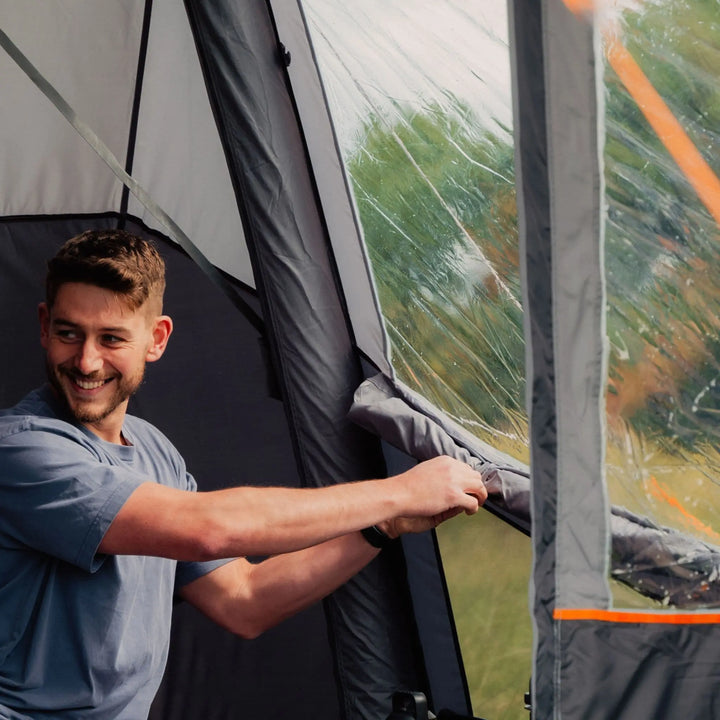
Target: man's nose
[[89, 358]]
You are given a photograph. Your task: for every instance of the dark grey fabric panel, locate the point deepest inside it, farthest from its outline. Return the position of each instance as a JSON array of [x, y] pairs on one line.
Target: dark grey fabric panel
[[447, 687], [627, 671], [527, 41], [333, 184], [25, 248], [212, 675], [370, 617]]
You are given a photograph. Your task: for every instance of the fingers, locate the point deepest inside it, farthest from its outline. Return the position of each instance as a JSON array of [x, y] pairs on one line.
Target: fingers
[[444, 484], [470, 482], [472, 504], [447, 515]]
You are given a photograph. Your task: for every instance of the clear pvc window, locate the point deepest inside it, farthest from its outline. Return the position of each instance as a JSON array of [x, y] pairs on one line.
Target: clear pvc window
[[662, 257], [421, 101], [426, 135]]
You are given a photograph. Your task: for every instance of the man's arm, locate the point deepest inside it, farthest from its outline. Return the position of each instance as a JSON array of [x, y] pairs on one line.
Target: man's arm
[[162, 521], [248, 599]]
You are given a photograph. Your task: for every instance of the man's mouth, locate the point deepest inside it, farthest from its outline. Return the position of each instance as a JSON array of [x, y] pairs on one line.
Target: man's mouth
[[89, 384]]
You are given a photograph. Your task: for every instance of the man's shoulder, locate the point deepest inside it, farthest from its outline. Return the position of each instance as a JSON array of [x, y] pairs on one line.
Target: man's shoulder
[[35, 402], [150, 440], [33, 413]]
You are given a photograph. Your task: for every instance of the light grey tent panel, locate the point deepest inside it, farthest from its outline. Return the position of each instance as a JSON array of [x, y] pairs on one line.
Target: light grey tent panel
[[52, 168], [579, 307], [192, 183], [558, 160], [56, 171]]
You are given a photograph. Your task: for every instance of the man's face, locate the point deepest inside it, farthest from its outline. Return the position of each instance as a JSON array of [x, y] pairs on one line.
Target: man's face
[[96, 350]]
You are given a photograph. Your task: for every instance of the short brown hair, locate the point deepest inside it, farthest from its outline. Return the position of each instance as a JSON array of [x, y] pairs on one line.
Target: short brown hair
[[115, 260]]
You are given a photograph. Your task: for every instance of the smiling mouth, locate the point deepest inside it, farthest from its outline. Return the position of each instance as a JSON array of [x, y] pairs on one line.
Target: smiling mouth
[[87, 384]]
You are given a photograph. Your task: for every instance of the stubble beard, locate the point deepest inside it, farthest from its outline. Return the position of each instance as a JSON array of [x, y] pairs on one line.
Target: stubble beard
[[84, 412]]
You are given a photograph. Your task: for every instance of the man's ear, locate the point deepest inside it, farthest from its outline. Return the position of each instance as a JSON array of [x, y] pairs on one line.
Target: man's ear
[[161, 331], [44, 317]]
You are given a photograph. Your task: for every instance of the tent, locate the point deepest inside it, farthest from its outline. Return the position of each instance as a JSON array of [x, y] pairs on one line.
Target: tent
[[218, 129]]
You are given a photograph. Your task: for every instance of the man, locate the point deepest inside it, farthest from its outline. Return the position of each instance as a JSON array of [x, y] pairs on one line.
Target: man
[[100, 525]]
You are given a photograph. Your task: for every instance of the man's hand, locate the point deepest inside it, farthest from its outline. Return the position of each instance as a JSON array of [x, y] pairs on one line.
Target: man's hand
[[451, 483]]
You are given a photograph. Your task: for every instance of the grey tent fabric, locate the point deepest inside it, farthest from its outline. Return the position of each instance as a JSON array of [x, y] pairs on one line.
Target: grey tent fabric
[[218, 111], [371, 635], [582, 645], [408, 422], [558, 230], [310, 342], [659, 661], [659, 563]]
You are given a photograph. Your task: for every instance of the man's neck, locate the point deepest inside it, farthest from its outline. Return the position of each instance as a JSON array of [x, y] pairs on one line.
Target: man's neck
[[110, 427]]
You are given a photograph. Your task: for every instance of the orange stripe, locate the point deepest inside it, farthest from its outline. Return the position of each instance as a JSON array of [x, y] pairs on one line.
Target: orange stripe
[[692, 164], [699, 174], [694, 522], [631, 616], [580, 7]]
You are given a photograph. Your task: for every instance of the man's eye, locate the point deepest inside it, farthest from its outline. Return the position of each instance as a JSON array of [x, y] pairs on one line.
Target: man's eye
[[68, 335], [112, 339]]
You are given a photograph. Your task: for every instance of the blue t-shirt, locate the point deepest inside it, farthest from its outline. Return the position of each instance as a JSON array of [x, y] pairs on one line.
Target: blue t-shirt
[[82, 635]]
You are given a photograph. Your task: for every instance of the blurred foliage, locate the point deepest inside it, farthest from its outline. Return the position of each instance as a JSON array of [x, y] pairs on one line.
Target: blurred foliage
[[662, 245], [436, 197], [437, 202], [489, 590]]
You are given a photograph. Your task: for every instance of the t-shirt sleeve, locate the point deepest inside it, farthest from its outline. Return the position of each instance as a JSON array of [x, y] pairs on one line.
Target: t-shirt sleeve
[[186, 572], [57, 498]]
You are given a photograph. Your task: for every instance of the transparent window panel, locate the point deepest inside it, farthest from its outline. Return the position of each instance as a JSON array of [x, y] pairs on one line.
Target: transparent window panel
[[421, 101], [662, 258], [425, 130]]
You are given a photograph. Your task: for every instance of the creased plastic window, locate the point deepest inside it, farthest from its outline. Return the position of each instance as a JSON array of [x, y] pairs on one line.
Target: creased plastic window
[[662, 255]]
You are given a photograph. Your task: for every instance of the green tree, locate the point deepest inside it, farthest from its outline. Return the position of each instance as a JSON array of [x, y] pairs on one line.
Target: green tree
[[437, 203], [662, 251]]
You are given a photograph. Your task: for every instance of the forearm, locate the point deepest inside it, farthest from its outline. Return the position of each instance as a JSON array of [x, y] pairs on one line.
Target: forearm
[[163, 521], [259, 596], [246, 521], [286, 584], [282, 520]]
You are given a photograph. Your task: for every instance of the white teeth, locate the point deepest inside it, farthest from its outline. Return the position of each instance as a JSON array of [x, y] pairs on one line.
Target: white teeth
[[87, 385]]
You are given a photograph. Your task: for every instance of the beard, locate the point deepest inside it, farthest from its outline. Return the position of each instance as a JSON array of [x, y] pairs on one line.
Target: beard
[[92, 410]]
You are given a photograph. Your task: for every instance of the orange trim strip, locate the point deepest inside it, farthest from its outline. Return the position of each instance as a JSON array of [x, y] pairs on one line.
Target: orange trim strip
[[681, 148], [580, 6], [631, 616], [699, 174], [658, 491]]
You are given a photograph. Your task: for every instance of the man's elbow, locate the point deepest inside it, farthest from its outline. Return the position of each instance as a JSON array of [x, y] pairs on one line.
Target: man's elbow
[[248, 628]]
